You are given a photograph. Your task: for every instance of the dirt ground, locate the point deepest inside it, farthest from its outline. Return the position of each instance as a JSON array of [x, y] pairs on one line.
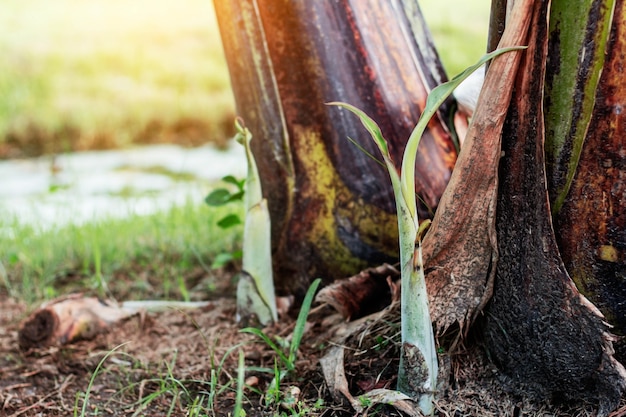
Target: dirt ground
[[161, 362]]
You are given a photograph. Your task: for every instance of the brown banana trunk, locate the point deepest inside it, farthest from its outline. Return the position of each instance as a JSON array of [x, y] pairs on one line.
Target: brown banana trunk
[[539, 329], [592, 223], [331, 205]]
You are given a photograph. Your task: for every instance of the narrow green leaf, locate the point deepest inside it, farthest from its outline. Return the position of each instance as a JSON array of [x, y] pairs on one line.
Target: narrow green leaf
[[366, 152], [298, 331], [260, 369], [269, 342], [232, 180], [369, 124], [376, 134]]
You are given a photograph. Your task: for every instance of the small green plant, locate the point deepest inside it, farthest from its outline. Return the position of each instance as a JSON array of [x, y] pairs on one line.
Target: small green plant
[[217, 368], [287, 355], [365, 401], [255, 290], [416, 328], [221, 197], [87, 393]]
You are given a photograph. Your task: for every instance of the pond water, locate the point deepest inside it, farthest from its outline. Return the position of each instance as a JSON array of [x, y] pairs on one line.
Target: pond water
[[82, 187]]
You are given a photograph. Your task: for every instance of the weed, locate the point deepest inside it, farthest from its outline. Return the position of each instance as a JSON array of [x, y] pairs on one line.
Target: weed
[[220, 197], [288, 355], [86, 394], [41, 263]]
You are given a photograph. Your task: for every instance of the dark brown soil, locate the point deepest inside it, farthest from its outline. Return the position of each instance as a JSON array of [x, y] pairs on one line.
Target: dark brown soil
[[159, 363]]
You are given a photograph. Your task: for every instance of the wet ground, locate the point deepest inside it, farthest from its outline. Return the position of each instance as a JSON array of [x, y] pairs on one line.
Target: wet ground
[[80, 187]]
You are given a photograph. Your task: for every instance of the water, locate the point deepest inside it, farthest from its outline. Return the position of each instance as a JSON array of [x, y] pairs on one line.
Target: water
[[83, 187]]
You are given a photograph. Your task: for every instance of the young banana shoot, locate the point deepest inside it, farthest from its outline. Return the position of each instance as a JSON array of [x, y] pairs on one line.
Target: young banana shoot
[[256, 300], [417, 376]]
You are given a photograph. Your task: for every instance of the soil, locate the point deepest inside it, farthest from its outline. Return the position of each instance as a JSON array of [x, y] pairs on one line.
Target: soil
[[158, 363]]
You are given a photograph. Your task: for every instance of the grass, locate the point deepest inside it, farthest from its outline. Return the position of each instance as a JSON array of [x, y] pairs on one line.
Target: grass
[[86, 74], [139, 256]]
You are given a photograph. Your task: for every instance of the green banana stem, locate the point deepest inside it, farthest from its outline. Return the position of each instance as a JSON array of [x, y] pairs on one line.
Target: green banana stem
[[255, 291]]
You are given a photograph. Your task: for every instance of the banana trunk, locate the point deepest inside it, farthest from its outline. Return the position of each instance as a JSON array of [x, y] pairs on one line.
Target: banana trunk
[[539, 329], [331, 205], [591, 225]]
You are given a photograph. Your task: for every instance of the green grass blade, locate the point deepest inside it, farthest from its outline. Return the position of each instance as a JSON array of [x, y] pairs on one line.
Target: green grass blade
[[268, 341], [93, 378], [298, 331]]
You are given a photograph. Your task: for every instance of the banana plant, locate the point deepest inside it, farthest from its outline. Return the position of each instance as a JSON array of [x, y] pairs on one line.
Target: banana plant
[[577, 49], [584, 158], [332, 210], [538, 327], [256, 299], [417, 376]]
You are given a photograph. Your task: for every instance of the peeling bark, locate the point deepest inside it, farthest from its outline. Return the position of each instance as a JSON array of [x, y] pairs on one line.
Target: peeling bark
[[369, 291], [460, 249]]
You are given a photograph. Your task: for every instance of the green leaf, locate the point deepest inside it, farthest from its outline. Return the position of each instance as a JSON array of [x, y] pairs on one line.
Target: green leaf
[[435, 99], [218, 197], [298, 331], [269, 342], [238, 196], [232, 180], [222, 259], [228, 221], [366, 152], [369, 124]]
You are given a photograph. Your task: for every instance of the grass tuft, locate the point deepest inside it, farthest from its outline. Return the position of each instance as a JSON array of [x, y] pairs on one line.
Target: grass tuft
[[134, 257]]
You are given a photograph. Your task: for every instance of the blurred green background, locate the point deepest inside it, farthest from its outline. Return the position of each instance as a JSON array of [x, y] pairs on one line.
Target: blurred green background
[[100, 74]]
